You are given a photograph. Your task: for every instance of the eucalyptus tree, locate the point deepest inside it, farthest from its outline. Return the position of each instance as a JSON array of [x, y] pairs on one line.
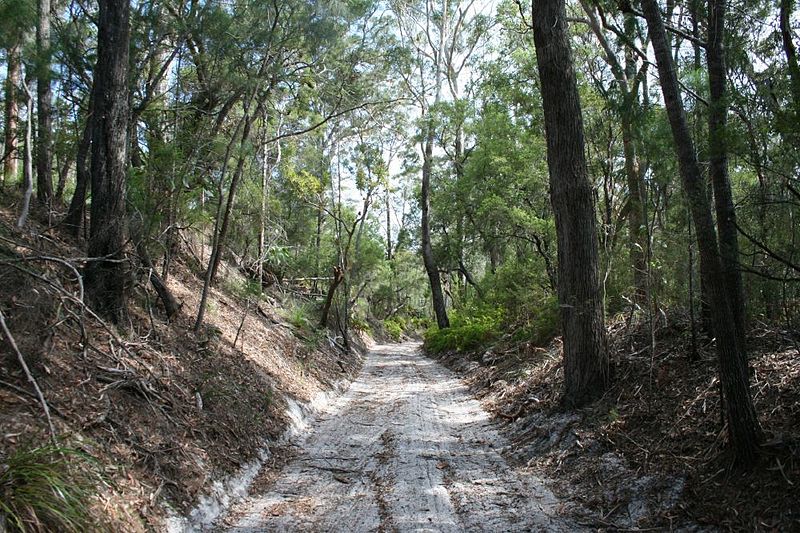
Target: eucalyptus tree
[[743, 427], [16, 20], [439, 39], [44, 97], [105, 273], [586, 369]]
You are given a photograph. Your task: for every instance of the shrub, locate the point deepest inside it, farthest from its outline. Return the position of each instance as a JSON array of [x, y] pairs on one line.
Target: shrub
[[359, 324], [48, 488], [543, 326], [395, 327], [469, 329]]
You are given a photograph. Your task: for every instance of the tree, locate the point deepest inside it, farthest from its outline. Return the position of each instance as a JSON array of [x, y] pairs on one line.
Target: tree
[[718, 165], [744, 430], [579, 291], [106, 271], [44, 97], [10, 157], [16, 20]]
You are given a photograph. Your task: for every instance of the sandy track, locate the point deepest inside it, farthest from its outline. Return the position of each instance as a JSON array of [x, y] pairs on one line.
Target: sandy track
[[407, 448]]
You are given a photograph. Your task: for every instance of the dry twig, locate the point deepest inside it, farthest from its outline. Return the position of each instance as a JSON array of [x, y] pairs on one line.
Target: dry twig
[[28, 374]]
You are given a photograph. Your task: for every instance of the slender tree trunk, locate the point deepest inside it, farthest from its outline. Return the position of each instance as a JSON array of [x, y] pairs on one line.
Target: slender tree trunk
[[44, 154], [639, 241], [11, 115], [744, 430], [226, 217], [388, 226], [718, 166], [439, 306], [27, 163], [215, 233], [76, 212], [105, 278], [338, 277], [579, 290]]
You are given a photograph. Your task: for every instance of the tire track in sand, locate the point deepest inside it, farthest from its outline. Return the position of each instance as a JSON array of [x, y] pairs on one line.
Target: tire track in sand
[[407, 448]]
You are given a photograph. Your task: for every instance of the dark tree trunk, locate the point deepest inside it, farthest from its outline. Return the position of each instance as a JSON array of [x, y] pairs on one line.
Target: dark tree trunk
[[216, 256], [744, 430], [77, 206], [11, 115], [44, 97], [338, 277], [718, 167], [439, 307], [579, 291], [171, 306], [105, 278]]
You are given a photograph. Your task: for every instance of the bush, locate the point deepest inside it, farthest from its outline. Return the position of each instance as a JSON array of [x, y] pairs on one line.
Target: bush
[[395, 327], [543, 327], [47, 489], [469, 329], [359, 324]]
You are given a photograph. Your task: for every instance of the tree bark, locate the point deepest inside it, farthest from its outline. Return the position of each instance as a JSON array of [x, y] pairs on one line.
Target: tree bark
[[11, 115], [105, 275], [744, 431], [586, 372], [44, 97], [718, 167]]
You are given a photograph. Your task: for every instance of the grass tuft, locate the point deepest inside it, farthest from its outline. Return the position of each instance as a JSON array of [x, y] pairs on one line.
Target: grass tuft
[[47, 488]]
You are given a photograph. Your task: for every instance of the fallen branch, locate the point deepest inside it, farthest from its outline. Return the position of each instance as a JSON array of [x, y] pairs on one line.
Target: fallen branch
[[28, 374]]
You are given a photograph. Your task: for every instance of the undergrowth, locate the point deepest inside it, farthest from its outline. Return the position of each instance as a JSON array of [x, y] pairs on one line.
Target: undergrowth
[[469, 329]]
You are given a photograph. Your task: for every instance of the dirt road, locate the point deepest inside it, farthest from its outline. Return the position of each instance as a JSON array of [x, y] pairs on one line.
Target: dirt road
[[405, 449]]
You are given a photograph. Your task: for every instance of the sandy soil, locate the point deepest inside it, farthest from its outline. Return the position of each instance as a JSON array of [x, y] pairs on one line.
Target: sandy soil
[[406, 449]]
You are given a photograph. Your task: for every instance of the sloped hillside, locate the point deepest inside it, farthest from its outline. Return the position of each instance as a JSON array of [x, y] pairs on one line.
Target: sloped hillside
[[147, 412], [650, 454]]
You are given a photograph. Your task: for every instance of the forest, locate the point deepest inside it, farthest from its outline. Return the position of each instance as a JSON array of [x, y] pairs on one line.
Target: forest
[[599, 193]]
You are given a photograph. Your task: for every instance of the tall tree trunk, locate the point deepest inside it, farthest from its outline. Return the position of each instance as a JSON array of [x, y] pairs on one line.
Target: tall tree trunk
[[11, 115], [44, 153], [744, 430], [439, 306], [579, 290], [105, 278], [718, 166]]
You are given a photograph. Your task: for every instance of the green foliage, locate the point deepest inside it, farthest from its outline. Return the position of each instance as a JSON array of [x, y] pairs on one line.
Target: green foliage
[[301, 316], [395, 327], [543, 325], [359, 324], [48, 488], [469, 329]]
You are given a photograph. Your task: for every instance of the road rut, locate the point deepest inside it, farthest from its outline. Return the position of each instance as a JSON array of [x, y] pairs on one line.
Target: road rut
[[407, 448]]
